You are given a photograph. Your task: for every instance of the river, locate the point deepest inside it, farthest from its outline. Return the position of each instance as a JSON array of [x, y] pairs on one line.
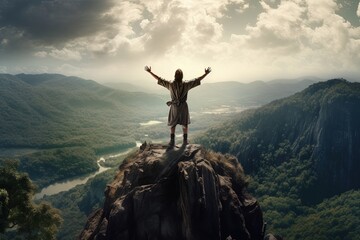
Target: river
[[151, 122], [69, 184]]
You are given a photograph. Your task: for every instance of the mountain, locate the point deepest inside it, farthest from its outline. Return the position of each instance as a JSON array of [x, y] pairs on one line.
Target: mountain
[[52, 110], [56, 126], [320, 124], [299, 151], [215, 95], [244, 94], [181, 193]]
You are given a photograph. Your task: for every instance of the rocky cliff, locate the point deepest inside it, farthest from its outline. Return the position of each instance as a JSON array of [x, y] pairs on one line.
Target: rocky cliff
[[319, 125], [182, 193]]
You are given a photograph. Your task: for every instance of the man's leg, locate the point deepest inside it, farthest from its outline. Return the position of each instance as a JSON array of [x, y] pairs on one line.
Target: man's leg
[[185, 132], [172, 136]]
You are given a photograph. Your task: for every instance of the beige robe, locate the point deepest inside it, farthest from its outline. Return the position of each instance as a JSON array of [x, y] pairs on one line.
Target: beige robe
[[179, 111]]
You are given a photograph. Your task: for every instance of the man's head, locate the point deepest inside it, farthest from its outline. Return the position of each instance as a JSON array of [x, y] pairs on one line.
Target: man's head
[[178, 75]]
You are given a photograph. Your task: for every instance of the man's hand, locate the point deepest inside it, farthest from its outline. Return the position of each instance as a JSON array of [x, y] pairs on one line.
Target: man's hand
[[207, 70], [148, 69]]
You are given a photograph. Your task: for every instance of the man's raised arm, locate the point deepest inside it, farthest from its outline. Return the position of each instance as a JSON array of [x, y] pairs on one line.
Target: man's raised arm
[[207, 71], [148, 69]]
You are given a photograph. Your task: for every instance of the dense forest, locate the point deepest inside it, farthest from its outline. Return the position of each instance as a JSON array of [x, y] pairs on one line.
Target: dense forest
[[300, 151], [46, 167], [20, 217], [78, 203], [50, 110], [66, 122]]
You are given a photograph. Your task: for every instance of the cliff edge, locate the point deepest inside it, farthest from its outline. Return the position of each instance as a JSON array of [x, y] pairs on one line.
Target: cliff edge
[[182, 193]]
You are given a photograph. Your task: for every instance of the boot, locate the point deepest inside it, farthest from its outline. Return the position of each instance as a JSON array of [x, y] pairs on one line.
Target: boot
[[185, 140], [172, 140]]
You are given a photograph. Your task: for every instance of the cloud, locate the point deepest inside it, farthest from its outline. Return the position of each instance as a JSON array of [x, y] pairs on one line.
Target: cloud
[[239, 5], [295, 25], [144, 23], [299, 36], [187, 28], [65, 54], [53, 22], [108, 28], [12, 38], [277, 27], [318, 10], [358, 11], [41, 54], [67, 29], [166, 28], [280, 37]]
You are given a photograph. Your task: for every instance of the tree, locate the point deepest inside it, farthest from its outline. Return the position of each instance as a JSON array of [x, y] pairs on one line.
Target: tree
[[17, 210]]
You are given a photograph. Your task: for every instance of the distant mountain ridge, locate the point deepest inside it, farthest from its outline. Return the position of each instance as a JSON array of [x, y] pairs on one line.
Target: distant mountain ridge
[[47, 110], [245, 94], [321, 124], [230, 92], [44, 110]]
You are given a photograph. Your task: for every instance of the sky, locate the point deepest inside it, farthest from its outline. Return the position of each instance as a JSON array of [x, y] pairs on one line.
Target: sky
[[242, 40]]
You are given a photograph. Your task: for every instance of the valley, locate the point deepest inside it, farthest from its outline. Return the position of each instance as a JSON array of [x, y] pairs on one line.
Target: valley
[[70, 135]]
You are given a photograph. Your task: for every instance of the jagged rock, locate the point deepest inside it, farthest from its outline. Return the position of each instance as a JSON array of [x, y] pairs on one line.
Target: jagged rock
[[181, 193]]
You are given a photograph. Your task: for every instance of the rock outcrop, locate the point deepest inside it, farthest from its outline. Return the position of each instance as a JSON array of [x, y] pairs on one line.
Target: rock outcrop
[[182, 193], [320, 124]]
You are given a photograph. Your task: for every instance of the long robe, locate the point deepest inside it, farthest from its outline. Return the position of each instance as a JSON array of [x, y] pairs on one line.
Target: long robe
[[179, 111]]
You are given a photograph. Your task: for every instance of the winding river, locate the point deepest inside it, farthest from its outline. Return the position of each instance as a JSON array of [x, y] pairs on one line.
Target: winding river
[[67, 185]]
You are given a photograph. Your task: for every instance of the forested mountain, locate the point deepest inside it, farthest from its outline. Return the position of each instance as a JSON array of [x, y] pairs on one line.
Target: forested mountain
[[320, 124], [64, 122], [299, 150], [52, 110], [239, 94], [245, 94]]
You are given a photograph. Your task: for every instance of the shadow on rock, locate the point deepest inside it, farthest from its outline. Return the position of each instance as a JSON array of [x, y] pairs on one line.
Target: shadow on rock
[[182, 193]]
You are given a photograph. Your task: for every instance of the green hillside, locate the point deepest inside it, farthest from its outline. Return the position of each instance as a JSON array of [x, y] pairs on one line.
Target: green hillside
[[58, 124], [299, 151], [320, 124], [51, 110]]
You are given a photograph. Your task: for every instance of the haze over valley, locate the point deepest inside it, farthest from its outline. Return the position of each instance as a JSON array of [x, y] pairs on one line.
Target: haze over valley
[[66, 128], [58, 127]]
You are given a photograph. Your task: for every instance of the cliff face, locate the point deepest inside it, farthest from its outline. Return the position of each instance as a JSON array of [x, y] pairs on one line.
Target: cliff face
[[337, 141], [182, 193], [320, 124]]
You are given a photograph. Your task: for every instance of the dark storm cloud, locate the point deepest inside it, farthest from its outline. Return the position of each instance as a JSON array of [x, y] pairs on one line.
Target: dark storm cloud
[[54, 22]]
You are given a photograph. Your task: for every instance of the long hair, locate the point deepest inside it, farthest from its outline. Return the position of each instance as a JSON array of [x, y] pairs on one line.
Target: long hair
[[178, 75]]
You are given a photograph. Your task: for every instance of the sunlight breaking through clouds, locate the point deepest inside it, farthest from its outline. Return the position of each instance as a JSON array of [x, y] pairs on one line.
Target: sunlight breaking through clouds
[[107, 39]]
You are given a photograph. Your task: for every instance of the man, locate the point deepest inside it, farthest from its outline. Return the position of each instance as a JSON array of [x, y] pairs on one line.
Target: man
[[179, 111]]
